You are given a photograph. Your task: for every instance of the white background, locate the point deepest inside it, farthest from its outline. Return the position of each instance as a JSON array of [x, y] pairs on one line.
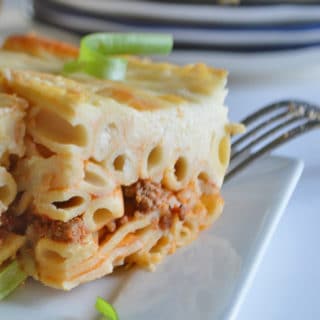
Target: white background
[[287, 283]]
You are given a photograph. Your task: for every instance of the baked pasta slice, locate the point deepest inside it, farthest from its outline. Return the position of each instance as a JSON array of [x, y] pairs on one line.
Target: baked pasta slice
[[114, 172]]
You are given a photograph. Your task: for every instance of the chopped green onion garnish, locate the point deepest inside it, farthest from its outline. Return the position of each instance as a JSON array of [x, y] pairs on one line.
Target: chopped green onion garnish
[[10, 278], [105, 68], [124, 43], [106, 309], [98, 50]]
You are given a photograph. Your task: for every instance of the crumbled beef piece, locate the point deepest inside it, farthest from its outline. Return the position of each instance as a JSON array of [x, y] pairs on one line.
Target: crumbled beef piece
[[71, 231], [14, 223], [165, 222], [145, 196], [41, 226]]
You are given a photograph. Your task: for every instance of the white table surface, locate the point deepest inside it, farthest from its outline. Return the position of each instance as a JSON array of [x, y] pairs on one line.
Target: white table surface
[[287, 283]]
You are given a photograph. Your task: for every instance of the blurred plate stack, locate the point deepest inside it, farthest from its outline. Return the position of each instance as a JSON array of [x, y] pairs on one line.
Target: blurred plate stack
[[197, 26]]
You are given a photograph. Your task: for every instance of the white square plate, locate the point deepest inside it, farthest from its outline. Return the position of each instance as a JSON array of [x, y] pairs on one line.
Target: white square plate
[[206, 280]]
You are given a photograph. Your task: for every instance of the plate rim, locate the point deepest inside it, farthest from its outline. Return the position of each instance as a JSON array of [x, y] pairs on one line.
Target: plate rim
[[263, 241], [265, 14]]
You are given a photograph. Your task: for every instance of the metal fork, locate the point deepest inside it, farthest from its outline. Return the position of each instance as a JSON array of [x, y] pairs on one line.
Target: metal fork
[[270, 127]]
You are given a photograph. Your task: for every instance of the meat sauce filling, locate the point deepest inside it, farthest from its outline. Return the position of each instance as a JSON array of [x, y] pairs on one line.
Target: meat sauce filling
[[145, 196], [40, 227], [141, 197]]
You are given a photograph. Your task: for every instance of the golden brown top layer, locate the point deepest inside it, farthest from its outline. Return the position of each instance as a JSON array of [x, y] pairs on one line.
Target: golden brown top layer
[[40, 47], [148, 85]]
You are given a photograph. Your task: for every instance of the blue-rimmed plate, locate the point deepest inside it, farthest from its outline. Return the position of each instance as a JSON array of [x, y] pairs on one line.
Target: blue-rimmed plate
[[178, 11], [257, 28]]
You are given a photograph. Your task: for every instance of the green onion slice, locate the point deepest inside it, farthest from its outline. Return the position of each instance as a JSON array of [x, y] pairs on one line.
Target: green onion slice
[[106, 309], [98, 52], [10, 278], [124, 43], [105, 68]]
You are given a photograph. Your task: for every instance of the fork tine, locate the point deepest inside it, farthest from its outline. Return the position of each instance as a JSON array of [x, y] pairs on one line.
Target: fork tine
[[293, 133], [265, 135], [269, 108], [257, 128]]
